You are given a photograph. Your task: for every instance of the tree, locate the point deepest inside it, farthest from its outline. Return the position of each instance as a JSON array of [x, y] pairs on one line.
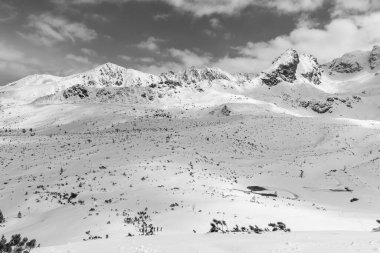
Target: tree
[[2, 219], [3, 242], [19, 215], [15, 240], [31, 244]]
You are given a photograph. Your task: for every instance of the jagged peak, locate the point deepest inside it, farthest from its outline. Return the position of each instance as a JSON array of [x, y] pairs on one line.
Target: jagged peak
[[287, 56], [195, 74], [107, 67]]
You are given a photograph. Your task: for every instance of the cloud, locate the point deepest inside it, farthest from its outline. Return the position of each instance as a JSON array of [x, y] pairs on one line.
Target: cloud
[[161, 16], [7, 12], [14, 63], [215, 23], [340, 36], [150, 44], [96, 17], [88, 52], [229, 7], [48, 29], [125, 57], [177, 59], [189, 58], [352, 7], [77, 58]]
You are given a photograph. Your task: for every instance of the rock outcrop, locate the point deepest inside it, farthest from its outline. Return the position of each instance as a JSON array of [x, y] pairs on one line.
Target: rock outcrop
[[283, 68]]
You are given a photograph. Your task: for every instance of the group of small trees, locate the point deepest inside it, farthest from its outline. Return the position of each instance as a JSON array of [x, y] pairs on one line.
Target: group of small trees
[[142, 223], [17, 245], [221, 226], [218, 226]]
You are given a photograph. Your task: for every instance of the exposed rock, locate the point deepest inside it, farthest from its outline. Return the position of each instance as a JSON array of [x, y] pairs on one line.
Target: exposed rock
[[349, 63], [317, 106], [328, 105], [75, 91], [374, 57]]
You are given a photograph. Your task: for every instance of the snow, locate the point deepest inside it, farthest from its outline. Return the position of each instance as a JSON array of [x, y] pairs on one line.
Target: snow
[[188, 161]]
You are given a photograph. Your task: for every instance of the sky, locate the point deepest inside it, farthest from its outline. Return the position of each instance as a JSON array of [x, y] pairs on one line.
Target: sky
[[63, 37]]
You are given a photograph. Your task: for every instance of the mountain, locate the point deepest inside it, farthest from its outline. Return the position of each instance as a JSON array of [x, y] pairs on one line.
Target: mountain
[[195, 75], [34, 87], [112, 75], [294, 81], [290, 66], [354, 62]]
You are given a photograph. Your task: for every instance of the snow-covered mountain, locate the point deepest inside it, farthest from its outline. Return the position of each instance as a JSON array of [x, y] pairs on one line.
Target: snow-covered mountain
[[293, 80]]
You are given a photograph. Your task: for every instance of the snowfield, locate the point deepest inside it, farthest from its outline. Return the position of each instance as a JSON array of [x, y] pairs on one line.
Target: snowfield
[[79, 161]]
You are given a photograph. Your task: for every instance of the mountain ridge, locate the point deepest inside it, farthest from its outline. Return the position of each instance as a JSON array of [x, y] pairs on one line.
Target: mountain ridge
[[305, 82]]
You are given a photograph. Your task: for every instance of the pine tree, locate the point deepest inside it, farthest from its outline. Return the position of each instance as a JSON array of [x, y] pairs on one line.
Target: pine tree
[[2, 219], [31, 244]]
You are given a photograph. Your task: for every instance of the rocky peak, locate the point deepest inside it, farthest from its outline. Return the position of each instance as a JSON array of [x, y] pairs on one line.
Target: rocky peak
[[195, 75], [283, 68], [374, 57], [109, 74]]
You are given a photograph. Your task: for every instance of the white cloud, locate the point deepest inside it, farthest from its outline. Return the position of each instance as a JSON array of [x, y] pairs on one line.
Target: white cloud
[[229, 7], [150, 44], [340, 36], [125, 57], [215, 23], [14, 63], [147, 59], [180, 59], [88, 52], [161, 16], [347, 7], [189, 58], [77, 58], [48, 29]]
